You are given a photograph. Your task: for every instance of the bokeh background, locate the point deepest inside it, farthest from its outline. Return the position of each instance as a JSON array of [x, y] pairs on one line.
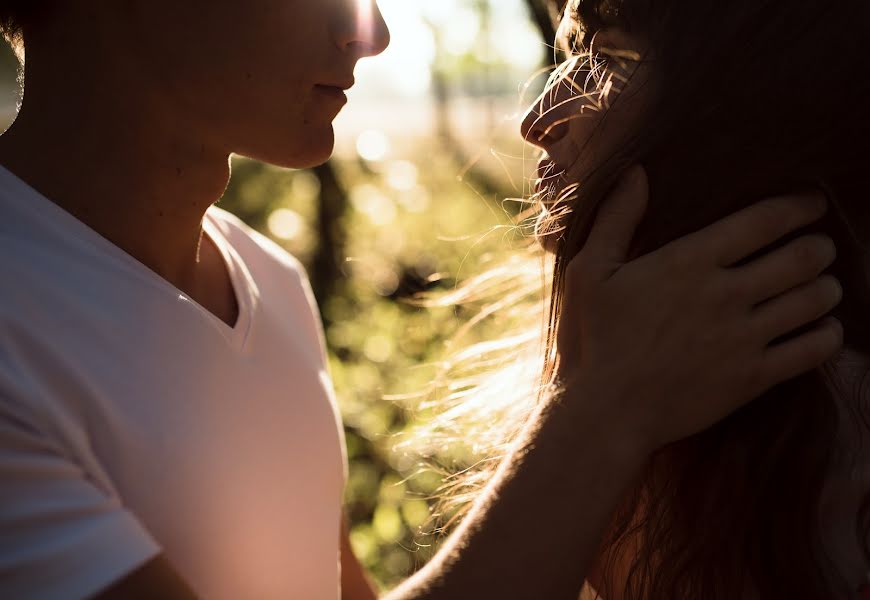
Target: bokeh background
[[423, 192]]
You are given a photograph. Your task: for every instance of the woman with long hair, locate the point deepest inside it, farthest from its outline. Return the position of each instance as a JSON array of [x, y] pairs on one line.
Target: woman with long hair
[[721, 102]]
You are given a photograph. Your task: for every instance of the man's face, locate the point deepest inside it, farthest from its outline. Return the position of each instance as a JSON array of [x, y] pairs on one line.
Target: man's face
[[262, 78]]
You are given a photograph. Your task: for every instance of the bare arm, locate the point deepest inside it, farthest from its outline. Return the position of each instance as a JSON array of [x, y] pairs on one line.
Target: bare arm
[[671, 342], [659, 361], [355, 583], [157, 579], [537, 530]]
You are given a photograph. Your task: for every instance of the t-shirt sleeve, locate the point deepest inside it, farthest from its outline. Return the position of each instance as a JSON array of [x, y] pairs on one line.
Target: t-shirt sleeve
[[60, 535]]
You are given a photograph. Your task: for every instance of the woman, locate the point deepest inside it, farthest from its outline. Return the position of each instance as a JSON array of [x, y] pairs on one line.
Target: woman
[[720, 102]]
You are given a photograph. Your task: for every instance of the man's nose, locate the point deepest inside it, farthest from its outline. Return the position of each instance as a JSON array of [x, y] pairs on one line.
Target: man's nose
[[364, 31]]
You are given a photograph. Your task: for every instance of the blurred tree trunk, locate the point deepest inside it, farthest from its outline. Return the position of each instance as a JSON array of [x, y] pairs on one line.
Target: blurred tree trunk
[[469, 172], [326, 268], [545, 14]]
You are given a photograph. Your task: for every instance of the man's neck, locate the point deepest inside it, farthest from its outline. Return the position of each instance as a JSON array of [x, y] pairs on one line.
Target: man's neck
[[122, 161]]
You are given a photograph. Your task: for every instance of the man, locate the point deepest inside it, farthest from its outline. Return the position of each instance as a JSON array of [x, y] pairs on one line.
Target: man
[[167, 426]]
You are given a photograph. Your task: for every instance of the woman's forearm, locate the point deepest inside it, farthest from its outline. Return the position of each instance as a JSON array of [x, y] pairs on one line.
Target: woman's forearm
[[649, 351], [537, 528]]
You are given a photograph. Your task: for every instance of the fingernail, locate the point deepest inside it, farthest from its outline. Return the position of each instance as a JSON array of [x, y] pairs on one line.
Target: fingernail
[[832, 323]]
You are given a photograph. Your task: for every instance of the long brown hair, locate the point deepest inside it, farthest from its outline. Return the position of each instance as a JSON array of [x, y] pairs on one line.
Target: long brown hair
[[754, 98]]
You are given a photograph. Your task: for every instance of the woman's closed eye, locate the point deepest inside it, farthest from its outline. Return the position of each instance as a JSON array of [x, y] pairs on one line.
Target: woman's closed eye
[[603, 72]]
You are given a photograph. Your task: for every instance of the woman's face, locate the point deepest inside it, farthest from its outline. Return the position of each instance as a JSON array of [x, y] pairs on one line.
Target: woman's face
[[590, 107]]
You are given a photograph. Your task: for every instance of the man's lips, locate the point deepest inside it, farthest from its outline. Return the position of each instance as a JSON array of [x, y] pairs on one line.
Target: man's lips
[[331, 92], [343, 85], [335, 89]]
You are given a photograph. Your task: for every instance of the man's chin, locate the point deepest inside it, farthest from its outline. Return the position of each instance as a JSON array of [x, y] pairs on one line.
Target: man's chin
[[308, 160], [316, 150]]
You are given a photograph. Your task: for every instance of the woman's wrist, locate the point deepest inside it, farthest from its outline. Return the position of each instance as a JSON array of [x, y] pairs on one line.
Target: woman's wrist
[[596, 418]]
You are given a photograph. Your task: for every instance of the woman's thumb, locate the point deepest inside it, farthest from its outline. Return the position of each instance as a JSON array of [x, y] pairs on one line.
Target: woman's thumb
[[617, 219]]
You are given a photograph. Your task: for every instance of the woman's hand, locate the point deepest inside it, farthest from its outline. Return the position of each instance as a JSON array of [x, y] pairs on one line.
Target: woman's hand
[[676, 340]]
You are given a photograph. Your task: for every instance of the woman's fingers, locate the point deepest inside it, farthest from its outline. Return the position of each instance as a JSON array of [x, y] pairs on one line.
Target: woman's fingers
[[798, 307], [616, 221], [794, 264], [738, 236], [684, 320], [798, 355]]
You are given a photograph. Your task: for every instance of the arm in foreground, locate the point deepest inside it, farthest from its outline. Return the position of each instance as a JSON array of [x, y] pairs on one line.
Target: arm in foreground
[[156, 579], [636, 385], [535, 531]]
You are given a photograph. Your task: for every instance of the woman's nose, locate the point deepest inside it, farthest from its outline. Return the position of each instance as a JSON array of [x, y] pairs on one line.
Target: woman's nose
[[363, 30], [541, 128], [547, 121]]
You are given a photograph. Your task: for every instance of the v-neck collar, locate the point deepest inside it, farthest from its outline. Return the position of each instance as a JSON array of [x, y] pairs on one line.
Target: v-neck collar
[[244, 287], [57, 218]]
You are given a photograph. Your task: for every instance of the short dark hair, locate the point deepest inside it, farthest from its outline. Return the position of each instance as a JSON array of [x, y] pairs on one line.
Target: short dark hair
[[12, 16]]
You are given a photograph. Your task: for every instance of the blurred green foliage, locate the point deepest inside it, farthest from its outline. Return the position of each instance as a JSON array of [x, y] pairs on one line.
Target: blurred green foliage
[[408, 222], [419, 222]]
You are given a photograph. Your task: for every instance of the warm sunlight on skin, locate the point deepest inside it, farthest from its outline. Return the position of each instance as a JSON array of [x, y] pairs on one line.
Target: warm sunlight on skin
[[364, 17]]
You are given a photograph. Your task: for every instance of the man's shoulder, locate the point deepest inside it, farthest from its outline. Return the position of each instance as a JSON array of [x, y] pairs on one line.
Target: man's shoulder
[[251, 245], [27, 267]]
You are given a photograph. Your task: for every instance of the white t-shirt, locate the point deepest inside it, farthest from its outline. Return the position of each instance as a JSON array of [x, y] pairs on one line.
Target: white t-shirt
[[134, 422]]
